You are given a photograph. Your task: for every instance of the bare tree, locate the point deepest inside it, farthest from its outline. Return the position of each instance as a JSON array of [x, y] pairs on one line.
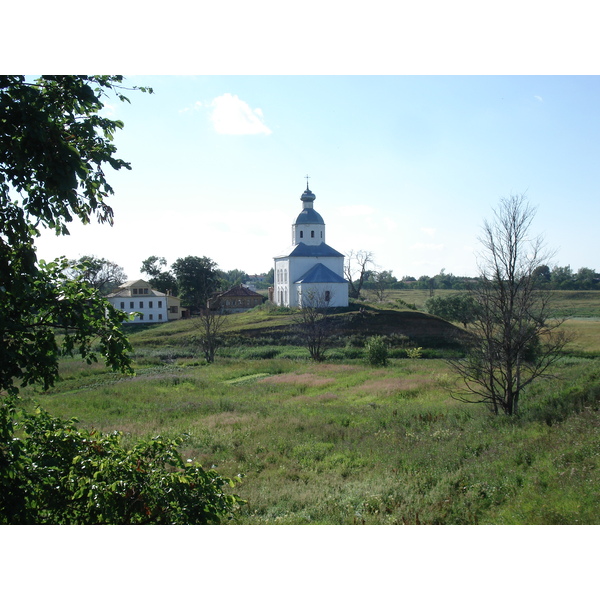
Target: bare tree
[[515, 338], [209, 327], [313, 324], [356, 269]]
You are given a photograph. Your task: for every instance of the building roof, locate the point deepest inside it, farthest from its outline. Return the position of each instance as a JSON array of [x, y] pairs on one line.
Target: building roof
[[124, 290], [309, 216], [320, 274], [239, 290], [316, 251]]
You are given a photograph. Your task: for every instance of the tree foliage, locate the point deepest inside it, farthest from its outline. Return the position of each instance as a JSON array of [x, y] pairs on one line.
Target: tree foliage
[[100, 273], [460, 308], [162, 280], [53, 473], [197, 280], [515, 340], [54, 149]]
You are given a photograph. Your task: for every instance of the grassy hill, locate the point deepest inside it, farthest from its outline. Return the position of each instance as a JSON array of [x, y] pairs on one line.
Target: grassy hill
[[342, 442]]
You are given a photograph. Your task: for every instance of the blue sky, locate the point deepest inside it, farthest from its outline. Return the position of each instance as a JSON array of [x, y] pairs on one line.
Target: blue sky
[[407, 167]]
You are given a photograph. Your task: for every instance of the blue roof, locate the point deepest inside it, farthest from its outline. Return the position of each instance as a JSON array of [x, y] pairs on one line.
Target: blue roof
[[309, 216], [320, 274], [315, 251]]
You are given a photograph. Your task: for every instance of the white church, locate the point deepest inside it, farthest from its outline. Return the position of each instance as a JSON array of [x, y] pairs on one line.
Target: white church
[[310, 271]]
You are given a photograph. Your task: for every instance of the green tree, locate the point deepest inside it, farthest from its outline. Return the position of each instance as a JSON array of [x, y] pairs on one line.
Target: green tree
[[54, 149], [586, 279], [197, 280], [562, 278], [232, 278], [161, 280], [100, 273], [461, 308], [514, 338]]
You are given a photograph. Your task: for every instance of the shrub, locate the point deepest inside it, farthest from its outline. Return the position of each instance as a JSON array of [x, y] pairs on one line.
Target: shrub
[[414, 352], [57, 474], [377, 351]]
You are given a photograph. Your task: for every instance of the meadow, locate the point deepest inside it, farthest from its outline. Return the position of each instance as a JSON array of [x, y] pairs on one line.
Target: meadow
[[342, 442]]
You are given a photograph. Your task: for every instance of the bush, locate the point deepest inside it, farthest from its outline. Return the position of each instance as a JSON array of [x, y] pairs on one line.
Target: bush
[[57, 474], [377, 351]]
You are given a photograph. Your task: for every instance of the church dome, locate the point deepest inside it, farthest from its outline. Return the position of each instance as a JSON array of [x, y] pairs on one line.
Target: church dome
[[307, 196], [309, 216]]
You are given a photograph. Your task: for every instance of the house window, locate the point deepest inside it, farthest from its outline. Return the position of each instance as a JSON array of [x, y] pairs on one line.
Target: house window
[[145, 290], [134, 290], [131, 305], [141, 305], [160, 317], [173, 309], [122, 304], [141, 317], [150, 304], [327, 296], [160, 304], [151, 316]]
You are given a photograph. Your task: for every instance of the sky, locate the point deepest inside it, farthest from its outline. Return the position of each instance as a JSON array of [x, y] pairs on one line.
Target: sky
[[406, 167]]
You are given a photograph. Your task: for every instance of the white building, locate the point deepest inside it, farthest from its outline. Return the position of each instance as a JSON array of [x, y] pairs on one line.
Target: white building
[[153, 306], [309, 271]]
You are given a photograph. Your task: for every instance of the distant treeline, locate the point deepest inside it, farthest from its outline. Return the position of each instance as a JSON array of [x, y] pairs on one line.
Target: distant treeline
[[556, 278]]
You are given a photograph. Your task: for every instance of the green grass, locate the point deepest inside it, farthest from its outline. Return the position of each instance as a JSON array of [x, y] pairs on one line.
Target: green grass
[[344, 443]]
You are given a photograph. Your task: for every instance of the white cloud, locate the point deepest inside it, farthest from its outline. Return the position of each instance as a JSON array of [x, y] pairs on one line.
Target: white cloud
[[232, 116], [539, 98], [430, 231]]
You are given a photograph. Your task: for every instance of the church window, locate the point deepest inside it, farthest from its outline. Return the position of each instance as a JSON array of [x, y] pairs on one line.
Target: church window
[[321, 235], [312, 234], [302, 234], [327, 296]]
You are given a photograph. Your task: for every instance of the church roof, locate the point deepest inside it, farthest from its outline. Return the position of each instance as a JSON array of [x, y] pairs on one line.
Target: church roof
[[316, 251], [320, 274], [309, 216]]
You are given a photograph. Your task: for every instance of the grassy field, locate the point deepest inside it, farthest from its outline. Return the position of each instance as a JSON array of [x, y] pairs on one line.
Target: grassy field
[[345, 443]]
